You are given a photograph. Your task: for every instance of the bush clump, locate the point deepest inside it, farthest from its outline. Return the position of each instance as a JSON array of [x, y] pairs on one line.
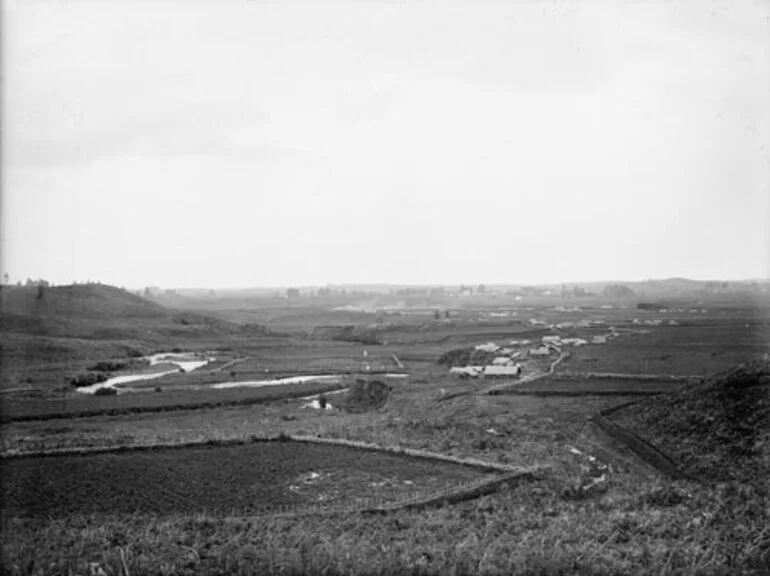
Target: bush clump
[[88, 379], [460, 357], [365, 395], [105, 391], [108, 366]]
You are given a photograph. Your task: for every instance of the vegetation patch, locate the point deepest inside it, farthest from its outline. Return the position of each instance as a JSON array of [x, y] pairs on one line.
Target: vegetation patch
[[365, 395], [460, 357], [88, 379]]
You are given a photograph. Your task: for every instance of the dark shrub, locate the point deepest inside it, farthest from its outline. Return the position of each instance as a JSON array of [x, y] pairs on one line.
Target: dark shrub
[[364, 396], [108, 366], [106, 391], [88, 379], [465, 356]]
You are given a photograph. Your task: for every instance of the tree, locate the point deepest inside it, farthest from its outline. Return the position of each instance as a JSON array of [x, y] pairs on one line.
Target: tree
[[147, 292], [617, 290], [437, 315], [6, 278]]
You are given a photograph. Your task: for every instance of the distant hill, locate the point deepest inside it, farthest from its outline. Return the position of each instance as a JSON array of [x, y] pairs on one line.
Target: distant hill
[[103, 312], [78, 300]]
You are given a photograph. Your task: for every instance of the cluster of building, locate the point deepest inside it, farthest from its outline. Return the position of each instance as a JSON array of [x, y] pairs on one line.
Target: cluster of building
[[504, 364]]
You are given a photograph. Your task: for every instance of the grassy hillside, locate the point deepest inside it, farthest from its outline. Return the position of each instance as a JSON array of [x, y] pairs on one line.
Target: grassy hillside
[[99, 311], [718, 430], [82, 300], [45, 332]]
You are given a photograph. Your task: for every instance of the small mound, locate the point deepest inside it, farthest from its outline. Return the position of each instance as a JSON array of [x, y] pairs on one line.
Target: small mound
[[366, 395], [718, 429]]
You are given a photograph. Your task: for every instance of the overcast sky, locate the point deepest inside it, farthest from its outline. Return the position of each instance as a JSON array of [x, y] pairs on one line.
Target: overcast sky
[[209, 143]]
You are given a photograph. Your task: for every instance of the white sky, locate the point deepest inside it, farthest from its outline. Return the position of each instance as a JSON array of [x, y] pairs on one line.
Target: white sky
[[209, 143]]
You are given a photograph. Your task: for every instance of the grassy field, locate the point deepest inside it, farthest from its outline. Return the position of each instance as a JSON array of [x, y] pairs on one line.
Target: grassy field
[[177, 521], [698, 349], [635, 527], [585, 386]]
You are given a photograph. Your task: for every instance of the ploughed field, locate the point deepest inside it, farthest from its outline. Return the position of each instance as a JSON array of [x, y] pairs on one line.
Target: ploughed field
[[255, 477]]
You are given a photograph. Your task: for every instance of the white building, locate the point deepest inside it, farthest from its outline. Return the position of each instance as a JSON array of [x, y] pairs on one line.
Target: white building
[[539, 352], [472, 371], [504, 371], [489, 347], [574, 342]]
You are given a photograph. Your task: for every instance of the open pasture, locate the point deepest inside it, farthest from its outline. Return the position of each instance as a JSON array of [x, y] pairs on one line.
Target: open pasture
[[592, 386], [697, 349], [216, 479]]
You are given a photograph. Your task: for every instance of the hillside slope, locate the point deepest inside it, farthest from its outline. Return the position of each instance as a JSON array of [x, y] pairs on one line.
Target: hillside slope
[[96, 311], [718, 429], [45, 334]]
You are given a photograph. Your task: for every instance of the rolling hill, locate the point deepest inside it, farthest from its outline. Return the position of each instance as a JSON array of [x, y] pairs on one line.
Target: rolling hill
[[105, 313], [44, 331]]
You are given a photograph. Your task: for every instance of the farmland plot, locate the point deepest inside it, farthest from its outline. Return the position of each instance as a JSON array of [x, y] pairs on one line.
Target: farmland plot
[[246, 478]]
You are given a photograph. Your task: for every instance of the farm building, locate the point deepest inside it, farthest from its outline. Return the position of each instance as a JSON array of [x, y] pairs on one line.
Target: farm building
[[472, 371], [538, 352], [502, 371], [574, 342], [489, 347], [565, 325], [502, 361], [551, 339], [673, 323], [599, 340]]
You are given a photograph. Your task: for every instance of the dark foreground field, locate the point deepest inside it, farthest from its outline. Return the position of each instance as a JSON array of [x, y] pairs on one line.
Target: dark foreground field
[[256, 477]]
